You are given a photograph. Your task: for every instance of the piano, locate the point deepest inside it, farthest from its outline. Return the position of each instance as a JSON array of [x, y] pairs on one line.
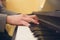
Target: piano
[[48, 29]]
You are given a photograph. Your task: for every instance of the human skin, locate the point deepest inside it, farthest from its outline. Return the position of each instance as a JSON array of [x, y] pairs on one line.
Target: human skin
[[22, 19]]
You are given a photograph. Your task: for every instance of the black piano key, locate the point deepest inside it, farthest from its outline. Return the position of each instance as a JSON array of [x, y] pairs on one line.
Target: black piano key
[[37, 33], [34, 29], [43, 33], [46, 38]]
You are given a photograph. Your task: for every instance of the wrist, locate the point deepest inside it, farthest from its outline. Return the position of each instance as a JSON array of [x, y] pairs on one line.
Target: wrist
[[8, 19]]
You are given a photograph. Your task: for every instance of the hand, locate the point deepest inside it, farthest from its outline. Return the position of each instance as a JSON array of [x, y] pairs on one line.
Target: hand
[[22, 19]]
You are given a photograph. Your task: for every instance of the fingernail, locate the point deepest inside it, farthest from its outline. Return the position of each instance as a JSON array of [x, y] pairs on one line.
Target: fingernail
[[37, 23]]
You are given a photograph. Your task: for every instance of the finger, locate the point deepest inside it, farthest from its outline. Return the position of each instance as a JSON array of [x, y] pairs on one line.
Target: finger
[[34, 17], [28, 19], [34, 21], [25, 23], [31, 18]]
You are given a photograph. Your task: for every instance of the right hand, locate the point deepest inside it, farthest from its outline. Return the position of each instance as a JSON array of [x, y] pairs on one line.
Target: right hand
[[22, 19]]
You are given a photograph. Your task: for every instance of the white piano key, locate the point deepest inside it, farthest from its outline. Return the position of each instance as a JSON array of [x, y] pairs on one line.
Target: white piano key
[[24, 33]]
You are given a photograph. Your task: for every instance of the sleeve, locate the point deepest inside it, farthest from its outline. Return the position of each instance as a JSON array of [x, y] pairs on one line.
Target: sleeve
[[2, 22]]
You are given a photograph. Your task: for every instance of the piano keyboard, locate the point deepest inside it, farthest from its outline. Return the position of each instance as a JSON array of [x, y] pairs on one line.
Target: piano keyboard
[[36, 32], [39, 32], [24, 33]]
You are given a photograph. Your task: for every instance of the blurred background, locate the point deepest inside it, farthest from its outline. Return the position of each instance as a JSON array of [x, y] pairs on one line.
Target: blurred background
[[29, 6]]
